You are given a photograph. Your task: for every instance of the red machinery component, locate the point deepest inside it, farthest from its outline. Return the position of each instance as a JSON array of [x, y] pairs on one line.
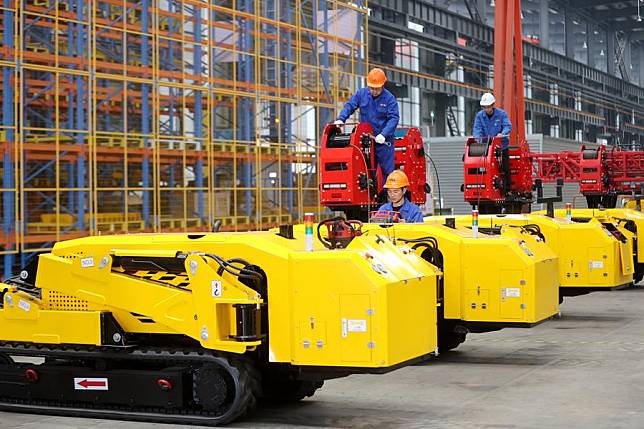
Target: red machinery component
[[346, 166], [482, 170], [348, 180], [410, 157], [549, 166], [602, 173], [483, 177]]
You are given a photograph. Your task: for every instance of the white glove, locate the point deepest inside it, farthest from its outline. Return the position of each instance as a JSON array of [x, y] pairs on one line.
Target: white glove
[[338, 122], [380, 139]]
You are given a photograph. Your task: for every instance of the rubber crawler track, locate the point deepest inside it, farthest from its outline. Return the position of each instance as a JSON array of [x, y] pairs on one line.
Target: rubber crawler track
[[246, 377]]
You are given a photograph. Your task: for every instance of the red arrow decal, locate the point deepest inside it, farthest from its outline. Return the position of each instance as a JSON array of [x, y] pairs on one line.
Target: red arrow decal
[[87, 383], [90, 383]]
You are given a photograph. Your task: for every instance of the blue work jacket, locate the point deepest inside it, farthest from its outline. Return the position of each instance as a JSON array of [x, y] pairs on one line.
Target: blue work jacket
[[408, 211], [381, 112], [499, 122]]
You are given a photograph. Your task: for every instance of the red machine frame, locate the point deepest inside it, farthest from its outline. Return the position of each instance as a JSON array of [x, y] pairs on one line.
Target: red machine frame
[[603, 173], [348, 180], [483, 177]]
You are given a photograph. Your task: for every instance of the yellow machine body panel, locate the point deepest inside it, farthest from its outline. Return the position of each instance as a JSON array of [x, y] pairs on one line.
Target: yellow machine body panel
[[624, 215], [590, 256], [23, 319], [364, 306], [633, 221], [627, 219], [506, 280], [632, 205], [337, 315]]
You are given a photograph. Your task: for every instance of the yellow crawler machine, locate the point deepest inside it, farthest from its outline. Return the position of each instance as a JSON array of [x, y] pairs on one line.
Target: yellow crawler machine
[[195, 328], [488, 283], [592, 256], [626, 218]]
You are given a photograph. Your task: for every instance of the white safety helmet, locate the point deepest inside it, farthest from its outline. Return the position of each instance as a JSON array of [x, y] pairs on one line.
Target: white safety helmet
[[487, 99]]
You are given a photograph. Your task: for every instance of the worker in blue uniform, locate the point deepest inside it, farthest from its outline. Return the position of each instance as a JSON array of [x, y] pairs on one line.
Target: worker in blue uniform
[[379, 108], [396, 185], [494, 122]]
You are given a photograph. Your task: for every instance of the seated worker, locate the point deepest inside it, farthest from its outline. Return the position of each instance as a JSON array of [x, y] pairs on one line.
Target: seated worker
[[379, 108], [396, 186], [494, 122]]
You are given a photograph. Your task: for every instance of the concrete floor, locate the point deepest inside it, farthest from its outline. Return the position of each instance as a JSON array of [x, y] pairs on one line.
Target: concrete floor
[[584, 370]]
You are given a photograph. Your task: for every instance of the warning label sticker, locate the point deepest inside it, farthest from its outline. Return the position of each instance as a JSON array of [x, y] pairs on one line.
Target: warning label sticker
[[84, 383], [216, 288], [24, 305], [513, 292], [87, 262], [596, 264], [357, 325]]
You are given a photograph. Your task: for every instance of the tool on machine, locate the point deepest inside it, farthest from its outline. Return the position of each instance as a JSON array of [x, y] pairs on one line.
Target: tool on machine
[[602, 174], [384, 216], [340, 232]]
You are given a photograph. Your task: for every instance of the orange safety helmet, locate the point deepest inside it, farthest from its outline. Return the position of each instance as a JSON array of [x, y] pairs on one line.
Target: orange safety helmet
[[376, 78], [397, 179]]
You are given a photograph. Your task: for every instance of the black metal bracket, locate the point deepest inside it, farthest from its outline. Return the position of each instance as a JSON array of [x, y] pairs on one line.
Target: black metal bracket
[[111, 332], [365, 143], [286, 231], [550, 201], [363, 181]]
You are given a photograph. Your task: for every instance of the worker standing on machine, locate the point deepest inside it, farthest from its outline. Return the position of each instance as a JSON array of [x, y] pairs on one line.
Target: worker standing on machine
[[396, 185], [494, 122], [379, 108]]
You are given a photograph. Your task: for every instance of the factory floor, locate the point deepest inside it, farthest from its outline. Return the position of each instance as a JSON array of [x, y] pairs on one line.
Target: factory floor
[[583, 370]]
